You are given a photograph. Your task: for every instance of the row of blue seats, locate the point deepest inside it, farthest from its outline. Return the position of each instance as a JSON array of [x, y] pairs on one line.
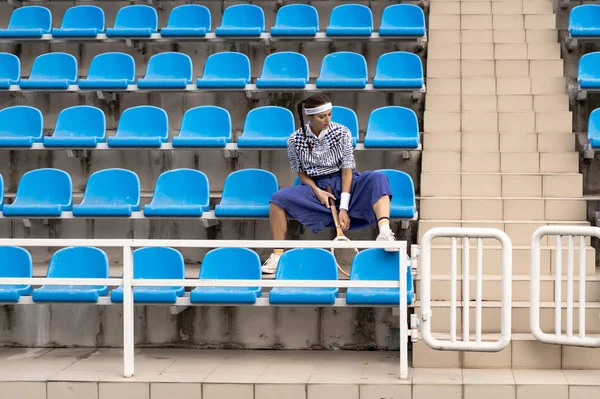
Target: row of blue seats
[[83, 126], [220, 264], [584, 21], [194, 20], [225, 70], [178, 193]]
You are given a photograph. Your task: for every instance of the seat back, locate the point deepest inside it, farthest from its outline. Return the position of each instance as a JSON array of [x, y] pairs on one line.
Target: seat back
[[297, 16], [1, 191], [190, 16], [81, 121], [85, 17], [399, 64], [227, 64], [47, 186], [375, 264], [342, 65], [182, 187], [31, 17], [307, 264], [594, 124], [583, 17], [10, 67], [206, 121], [399, 121], [351, 16], [243, 16], [249, 187], [113, 186], [158, 262], [348, 118], [143, 121], [137, 16], [589, 69], [404, 17], [403, 189], [169, 65], [112, 66], [78, 262], [54, 66], [231, 263], [15, 262], [285, 64], [280, 122], [21, 121]]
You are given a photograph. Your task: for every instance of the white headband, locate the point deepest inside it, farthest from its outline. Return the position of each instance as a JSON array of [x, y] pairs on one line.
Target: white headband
[[318, 110]]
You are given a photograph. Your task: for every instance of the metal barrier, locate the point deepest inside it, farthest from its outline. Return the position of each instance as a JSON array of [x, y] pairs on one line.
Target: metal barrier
[[558, 338], [127, 282], [425, 294]]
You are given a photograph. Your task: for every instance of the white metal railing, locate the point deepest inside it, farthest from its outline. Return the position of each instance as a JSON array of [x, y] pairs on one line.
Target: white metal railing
[[127, 282], [569, 338], [425, 294]]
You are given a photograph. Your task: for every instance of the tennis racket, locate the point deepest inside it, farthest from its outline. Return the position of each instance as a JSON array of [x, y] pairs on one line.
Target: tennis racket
[[343, 256]]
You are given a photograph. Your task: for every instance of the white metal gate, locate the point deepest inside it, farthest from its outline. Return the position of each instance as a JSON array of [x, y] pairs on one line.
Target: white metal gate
[[466, 343], [570, 232]]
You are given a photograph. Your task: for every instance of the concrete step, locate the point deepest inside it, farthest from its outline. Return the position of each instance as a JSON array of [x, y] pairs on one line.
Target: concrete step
[[505, 208], [523, 352], [493, 142]]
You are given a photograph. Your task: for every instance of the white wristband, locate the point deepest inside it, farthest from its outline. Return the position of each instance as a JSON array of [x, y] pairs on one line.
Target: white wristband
[[345, 201]]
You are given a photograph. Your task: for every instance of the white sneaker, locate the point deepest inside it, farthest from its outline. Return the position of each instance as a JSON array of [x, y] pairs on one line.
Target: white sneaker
[[387, 236], [270, 265]]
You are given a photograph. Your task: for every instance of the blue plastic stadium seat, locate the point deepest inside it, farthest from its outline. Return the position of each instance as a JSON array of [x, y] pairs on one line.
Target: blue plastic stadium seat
[[134, 21], [180, 192], [350, 20], [52, 71], [284, 69], [20, 126], [81, 21], [402, 20], [246, 193], [343, 69], [28, 21], [273, 134], [110, 192], [110, 71], [403, 204], [226, 70], [78, 126], [588, 75], [399, 69], [42, 192], [584, 20], [14, 262], [167, 70], [141, 126], [348, 118], [296, 20], [204, 126], [242, 20], [392, 127], [378, 264], [10, 70], [188, 20], [594, 128], [74, 262], [1, 191], [155, 263], [305, 264], [228, 264]]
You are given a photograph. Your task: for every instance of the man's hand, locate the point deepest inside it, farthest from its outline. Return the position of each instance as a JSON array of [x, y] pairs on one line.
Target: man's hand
[[344, 219], [323, 196]]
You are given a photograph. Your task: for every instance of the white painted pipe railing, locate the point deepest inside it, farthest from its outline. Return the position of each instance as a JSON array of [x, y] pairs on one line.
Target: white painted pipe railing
[[425, 294], [127, 282], [558, 337]]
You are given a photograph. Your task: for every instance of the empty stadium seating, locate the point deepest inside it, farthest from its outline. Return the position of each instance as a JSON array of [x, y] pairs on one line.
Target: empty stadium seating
[[188, 20], [402, 20], [141, 126], [180, 192], [403, 204], [31, 21], [10, 70], [392, 127], [15, 262], [110, 192], [296, 20], [242, 264], [588, 75], [583, 21], [110, 71], [137, 20], [398, 69], [284, 69], [225, 70], [20, 126], [81, 21], [79, 126], [242, 20], [204, 126], [155, 263], [74, 262], [52, 71], [343, 69], [350, 20], [246, 193], [594, 128], [42, 192], [273, 134], [167, 70]]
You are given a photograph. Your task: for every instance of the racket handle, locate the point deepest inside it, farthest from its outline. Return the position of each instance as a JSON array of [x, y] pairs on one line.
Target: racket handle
[[334, 213]]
